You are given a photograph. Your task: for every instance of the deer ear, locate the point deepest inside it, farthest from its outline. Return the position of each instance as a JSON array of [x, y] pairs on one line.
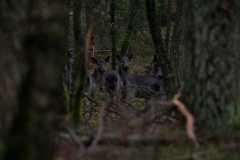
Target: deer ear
[[130, 56], [118, 57], [107, 59], [94, 60]]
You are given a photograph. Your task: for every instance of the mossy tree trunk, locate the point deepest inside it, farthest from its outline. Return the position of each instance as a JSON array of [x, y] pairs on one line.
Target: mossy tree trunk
[[136, 6], [212, 84], [36, 46], [176, 45], [79, 67]]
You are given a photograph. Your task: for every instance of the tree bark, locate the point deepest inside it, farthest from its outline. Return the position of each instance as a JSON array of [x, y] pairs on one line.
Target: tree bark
[[176, 45], [40, 56], [113, 32], [79, 70], [168, 17], [212, 89], [155, 30], [131, 28]]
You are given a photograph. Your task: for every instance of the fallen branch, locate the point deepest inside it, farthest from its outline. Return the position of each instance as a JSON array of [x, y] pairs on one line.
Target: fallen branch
[[184, 111], [188, 116]]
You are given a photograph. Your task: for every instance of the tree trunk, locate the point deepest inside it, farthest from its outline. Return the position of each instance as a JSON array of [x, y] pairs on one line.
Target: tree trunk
[[155, 30], [168, 17], [79, 70], [212, 84], [131, 28], [69, 53], [162, 11], [39, 54], [176, 45], [113, 32]]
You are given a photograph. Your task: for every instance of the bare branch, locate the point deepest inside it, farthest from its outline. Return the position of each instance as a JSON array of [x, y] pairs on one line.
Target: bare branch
[[100, 126], [188, 116]]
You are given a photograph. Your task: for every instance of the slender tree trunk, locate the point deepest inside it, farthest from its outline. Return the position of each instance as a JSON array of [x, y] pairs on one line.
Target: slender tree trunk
[[113, 32], [176, 45], [168, 17], [135, 8], [88, 10], [236, 9], [162, 11], [40, 55], [211, 63], [155, 30], [79, 64], [69, 54]]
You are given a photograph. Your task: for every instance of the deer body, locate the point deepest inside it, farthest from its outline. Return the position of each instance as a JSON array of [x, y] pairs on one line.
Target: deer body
[[112, 84], [108, 81], [99, 70], [143, 86]]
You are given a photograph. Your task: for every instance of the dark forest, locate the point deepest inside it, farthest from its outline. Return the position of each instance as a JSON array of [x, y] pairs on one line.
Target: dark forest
[[119, 79]]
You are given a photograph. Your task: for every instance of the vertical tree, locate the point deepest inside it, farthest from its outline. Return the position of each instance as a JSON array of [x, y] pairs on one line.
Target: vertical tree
[[212, 84], [38, 51], [79, 64], [162, 10], [113, 31], [69, 53], [177, 43], [131, 28], [155, 30], [168, 17]]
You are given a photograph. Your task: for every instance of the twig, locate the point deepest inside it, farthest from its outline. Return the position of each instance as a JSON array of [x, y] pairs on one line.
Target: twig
[[112, 110], [170, 119], [100, 126], [73, 136], [91, 99]]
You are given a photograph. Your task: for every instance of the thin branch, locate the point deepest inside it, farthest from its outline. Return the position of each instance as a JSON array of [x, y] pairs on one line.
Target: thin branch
[[91, 99], [100, 126]]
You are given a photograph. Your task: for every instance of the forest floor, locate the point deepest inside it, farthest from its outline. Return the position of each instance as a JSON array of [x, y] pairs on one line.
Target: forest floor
[[129, 133], [131, 138]]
